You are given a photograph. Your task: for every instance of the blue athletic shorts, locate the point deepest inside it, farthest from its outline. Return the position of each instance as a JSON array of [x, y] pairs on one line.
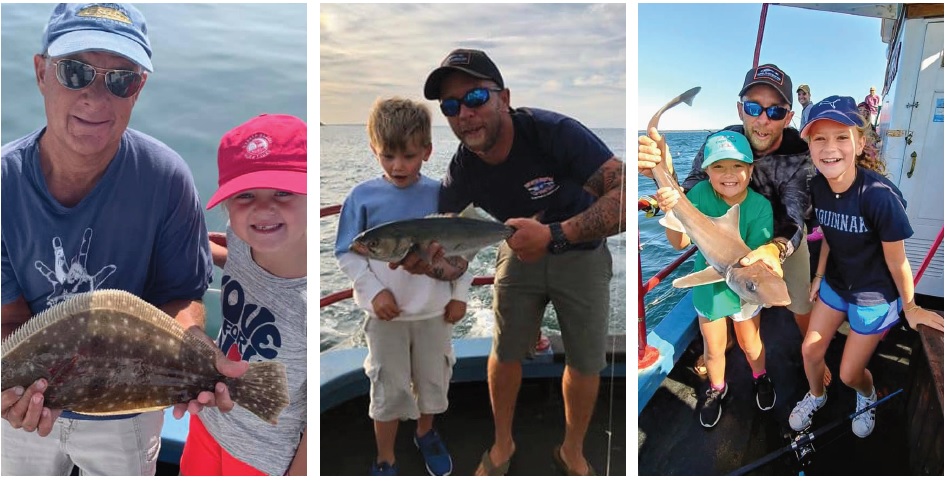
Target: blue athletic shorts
[[865, 320]]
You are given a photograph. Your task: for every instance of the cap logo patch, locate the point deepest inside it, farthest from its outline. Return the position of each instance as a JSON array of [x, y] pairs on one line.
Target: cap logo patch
[[769, 73], [829, 102], [459, 58], [257, 146], [108, 13]]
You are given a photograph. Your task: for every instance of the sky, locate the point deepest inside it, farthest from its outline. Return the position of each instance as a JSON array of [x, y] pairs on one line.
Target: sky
[[681, 46], [563, 57]]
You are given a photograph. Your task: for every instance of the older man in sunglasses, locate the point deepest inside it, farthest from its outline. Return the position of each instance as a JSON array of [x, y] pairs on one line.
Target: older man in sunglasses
[[89, 204], [782, 168], [561, 188]]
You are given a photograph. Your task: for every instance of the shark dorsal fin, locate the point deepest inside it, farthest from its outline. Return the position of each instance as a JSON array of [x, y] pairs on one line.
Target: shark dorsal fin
[[706, 276], [670, 221], [731, 219]]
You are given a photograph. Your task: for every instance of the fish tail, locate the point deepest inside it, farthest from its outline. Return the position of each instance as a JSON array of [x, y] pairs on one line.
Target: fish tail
[[262, 390]]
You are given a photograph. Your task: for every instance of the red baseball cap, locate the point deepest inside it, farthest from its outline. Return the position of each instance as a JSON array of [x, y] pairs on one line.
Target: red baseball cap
[[266, 152]]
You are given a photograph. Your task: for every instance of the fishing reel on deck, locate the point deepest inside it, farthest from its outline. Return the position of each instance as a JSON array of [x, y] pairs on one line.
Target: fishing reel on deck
[[803, 447]]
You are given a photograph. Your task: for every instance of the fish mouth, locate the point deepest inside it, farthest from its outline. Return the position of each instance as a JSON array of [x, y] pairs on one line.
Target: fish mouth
[[359, 248]]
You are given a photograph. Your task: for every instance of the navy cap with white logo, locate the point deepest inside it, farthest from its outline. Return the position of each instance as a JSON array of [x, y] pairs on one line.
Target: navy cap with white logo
[[475, 63]]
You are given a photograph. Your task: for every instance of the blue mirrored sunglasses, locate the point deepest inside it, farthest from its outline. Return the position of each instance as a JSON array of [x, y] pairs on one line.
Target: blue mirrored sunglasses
[[473, 98], [774, 112]]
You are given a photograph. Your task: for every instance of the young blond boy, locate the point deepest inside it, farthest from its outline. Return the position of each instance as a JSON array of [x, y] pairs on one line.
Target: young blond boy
[[410, 318]]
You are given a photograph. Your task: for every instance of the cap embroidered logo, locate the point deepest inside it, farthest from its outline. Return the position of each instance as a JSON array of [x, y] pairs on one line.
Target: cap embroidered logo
[[257, 146], [772, 74]]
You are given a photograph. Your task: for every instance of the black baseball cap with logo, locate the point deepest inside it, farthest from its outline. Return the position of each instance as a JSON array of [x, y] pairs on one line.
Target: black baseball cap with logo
[[769, 74], [472, 62]]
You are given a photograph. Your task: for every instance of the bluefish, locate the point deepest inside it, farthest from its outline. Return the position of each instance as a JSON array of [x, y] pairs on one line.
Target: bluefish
[[108, 352], [461, 235], [718, 239]]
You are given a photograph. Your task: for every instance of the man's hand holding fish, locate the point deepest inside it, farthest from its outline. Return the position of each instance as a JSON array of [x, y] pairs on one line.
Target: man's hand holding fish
[[530, 240]]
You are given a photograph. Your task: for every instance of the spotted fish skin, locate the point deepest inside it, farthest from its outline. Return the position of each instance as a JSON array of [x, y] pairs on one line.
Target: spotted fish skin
[[108, 352]]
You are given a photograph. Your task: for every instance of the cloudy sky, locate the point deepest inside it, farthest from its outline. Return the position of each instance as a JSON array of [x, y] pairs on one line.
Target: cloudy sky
[[562, 57]]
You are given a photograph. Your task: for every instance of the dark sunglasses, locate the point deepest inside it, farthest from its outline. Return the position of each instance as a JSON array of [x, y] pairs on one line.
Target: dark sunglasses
[[774, 112], [75, 75], [473, 98]]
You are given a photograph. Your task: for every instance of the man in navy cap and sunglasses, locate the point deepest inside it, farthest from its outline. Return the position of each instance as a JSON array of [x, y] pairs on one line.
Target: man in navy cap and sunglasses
[[89, 204], [558, 184], [782, 168]]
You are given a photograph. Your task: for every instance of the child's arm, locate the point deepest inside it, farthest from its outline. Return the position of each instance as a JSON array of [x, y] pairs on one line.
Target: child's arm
[[902, 275], [460, 293], [820, 269], [298, 465]]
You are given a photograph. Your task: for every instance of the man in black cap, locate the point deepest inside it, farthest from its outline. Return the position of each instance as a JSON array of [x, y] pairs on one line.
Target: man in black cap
[[558, 184], [782, 168]]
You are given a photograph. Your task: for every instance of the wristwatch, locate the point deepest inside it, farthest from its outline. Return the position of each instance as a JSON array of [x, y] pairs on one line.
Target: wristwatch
[[558, 241]]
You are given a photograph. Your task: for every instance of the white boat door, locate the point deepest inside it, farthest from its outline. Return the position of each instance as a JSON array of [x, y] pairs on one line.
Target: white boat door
[[922, 175]]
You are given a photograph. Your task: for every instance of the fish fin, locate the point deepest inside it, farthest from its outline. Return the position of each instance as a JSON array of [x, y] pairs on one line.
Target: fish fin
[[706, 276], [122, 412], [262, 390], [670, 221], [731, 220]]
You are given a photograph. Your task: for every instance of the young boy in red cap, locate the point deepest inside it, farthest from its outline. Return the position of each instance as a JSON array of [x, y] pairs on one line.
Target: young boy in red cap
[[262, 186]]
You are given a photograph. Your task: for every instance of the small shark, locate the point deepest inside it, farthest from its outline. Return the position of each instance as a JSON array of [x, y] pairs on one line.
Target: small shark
[[718, 239]]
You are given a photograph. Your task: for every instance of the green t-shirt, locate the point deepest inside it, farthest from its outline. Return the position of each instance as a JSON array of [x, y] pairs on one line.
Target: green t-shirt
[[757, 227]]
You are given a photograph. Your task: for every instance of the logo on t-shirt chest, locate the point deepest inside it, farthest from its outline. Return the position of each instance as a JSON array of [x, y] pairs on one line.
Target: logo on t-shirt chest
[[541, 187], [249, 331]]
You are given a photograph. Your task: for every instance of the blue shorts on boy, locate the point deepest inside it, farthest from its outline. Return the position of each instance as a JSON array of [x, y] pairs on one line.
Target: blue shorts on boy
[[716, 300], [421, 300]]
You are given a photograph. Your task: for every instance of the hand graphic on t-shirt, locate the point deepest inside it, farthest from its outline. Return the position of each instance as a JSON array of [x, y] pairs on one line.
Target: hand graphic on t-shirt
[[68, 280]]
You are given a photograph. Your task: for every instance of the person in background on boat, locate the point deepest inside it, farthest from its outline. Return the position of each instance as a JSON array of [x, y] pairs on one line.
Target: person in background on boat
[[863, 274], [873, 101], [558, 184], [782, 168], [90, 204], [873, 142], [728, 161], [262, 187], [409, 317], [803, 96]]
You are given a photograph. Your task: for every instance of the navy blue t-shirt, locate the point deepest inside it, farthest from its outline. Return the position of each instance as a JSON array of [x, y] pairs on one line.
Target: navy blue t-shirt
[[551, 159], [855, 223]]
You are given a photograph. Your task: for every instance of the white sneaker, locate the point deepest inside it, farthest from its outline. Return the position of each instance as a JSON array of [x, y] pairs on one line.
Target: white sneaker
[[802, 414], [866, 421]]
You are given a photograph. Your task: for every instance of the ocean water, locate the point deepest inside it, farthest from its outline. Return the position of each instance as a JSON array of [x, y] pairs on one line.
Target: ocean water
[[216, 66], [655, 251], [345, 160]]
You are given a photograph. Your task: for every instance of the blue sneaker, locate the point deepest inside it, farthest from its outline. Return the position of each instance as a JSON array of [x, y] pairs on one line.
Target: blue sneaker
[[383, 469], [437, 458]]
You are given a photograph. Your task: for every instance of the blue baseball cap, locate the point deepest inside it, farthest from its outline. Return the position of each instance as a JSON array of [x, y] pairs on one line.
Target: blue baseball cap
[[117, 28], [727, 145], [841, 110]]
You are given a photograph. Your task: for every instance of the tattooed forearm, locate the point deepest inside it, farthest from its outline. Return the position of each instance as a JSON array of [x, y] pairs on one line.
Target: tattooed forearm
[[448, 269], [607, 215]]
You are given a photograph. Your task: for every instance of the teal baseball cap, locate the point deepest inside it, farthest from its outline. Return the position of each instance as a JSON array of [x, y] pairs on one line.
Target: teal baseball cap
[[727, 145]]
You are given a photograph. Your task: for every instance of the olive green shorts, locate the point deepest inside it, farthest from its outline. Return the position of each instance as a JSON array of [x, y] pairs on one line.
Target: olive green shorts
[[796, 273], [576, 282]]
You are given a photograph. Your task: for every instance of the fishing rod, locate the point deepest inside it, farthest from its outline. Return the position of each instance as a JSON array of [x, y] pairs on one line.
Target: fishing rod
[[803, 443]]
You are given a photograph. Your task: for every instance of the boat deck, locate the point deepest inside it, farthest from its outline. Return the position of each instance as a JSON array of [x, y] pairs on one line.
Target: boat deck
[[347, 441], [672, 442]]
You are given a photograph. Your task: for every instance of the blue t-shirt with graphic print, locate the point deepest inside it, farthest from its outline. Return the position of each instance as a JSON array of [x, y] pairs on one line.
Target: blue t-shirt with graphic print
[[550, 161], [855, 223], [141, 229]]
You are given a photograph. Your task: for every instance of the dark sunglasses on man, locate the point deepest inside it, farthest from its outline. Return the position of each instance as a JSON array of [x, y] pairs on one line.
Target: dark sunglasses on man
[[76, 75], [475, 97], [774, 112]]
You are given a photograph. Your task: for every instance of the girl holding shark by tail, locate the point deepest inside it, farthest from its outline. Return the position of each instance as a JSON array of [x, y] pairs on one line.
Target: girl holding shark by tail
[[862, 273], [728, 160]]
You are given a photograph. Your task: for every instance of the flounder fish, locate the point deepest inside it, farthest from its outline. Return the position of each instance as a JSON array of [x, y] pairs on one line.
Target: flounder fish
[[108, 352]]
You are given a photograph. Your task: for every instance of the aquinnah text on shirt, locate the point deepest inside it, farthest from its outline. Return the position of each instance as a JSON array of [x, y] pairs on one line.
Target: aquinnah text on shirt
[[842, 222]]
